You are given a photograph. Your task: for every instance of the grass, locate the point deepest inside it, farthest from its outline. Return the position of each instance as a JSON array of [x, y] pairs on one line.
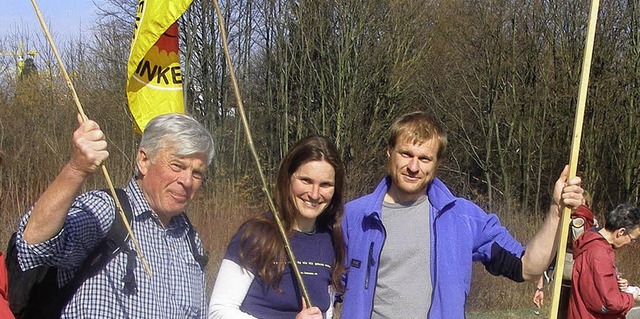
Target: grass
[[520, 313]]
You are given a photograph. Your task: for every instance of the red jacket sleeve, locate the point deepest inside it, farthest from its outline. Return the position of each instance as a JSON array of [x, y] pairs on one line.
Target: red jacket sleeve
[[586, 214], [5, 312]]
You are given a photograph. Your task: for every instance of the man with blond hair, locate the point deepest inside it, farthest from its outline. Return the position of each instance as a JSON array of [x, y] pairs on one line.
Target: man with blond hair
[[411, 243]]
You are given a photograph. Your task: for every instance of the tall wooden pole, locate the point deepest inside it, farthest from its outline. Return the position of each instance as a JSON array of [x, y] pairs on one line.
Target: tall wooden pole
[[573, 161], [247, 131]]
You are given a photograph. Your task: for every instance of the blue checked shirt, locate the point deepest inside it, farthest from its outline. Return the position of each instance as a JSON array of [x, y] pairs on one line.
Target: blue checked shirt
[[176, 288]]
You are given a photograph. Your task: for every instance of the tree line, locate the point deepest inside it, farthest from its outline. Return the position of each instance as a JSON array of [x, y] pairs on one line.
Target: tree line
[[502, 76]]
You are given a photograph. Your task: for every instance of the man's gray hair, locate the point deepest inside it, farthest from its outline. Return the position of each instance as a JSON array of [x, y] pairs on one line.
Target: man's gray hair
[[180, 133], [623, 216]]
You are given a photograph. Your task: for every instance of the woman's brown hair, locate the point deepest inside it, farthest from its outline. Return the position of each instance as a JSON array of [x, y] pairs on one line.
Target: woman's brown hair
[[262, 248]]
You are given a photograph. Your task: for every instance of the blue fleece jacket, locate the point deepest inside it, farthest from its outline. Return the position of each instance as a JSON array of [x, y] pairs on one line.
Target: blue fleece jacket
[[461, 233]]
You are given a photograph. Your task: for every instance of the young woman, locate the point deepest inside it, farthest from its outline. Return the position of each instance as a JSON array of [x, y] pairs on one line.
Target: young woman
[[255, 278]]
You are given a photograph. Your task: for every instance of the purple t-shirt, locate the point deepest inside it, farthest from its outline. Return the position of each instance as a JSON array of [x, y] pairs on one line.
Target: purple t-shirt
[[315, 257]]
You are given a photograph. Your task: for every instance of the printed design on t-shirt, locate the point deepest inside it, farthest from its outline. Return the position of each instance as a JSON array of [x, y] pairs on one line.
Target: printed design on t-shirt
[[309, 265]]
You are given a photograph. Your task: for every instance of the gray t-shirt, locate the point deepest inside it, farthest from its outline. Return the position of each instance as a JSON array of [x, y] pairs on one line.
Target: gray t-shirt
[[403, 288]]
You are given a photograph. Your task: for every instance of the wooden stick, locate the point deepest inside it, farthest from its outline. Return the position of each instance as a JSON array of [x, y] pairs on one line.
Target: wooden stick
[[573, 162], [287, 246], [84, 118]]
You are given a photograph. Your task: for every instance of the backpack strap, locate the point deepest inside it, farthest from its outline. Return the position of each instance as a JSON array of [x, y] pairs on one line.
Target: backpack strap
[[202, 259], [118, 231], [114, 242]]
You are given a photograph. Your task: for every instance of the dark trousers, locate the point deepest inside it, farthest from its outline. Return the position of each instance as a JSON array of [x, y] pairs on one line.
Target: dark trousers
[[563, 304]]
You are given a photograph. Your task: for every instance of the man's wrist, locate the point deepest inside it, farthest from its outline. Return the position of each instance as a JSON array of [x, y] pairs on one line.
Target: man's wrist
[[539, 288]]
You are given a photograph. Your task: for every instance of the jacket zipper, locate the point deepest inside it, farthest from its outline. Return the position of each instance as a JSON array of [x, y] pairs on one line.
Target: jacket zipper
[[369, 263], [370, 260]]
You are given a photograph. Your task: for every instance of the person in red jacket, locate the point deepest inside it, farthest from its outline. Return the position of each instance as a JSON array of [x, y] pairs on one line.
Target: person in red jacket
[[582, 220], [597, 289], [5, 312]]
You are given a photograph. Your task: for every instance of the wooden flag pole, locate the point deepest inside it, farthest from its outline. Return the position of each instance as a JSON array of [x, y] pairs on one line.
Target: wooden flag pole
[[287, 246], [573, 161], [63, 70]]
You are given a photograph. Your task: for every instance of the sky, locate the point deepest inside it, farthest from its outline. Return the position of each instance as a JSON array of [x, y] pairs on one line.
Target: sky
[[63, 17]]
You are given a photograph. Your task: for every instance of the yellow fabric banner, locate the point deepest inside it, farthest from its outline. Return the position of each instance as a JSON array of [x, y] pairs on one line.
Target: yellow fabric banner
[[154, 78]]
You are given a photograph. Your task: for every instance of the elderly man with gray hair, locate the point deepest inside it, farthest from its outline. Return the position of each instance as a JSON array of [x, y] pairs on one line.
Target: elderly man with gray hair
[[63, 226]]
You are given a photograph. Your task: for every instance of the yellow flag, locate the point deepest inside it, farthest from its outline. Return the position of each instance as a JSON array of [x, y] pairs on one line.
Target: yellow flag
[[154, 78]]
